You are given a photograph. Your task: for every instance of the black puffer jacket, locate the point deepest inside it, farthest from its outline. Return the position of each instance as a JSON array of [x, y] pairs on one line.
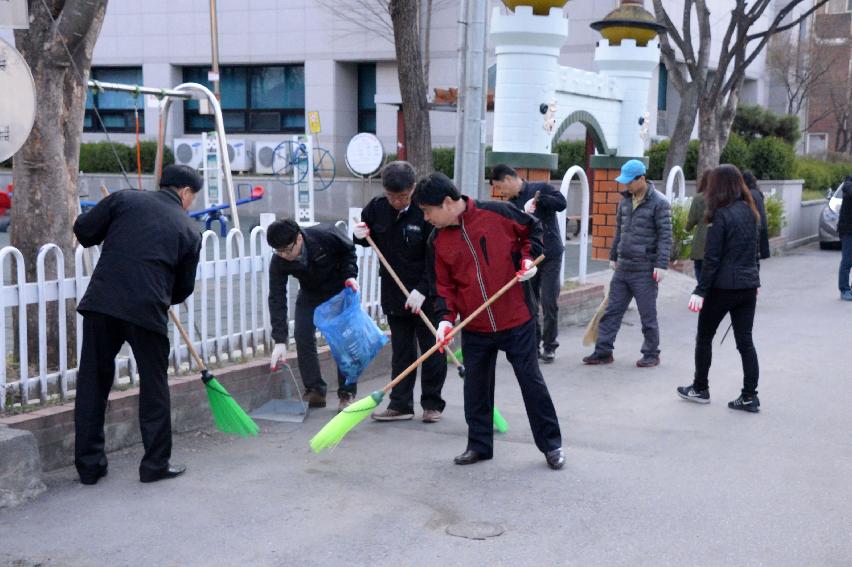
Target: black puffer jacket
[[643, 236], [763, 235], [731, 252], [844, 223]]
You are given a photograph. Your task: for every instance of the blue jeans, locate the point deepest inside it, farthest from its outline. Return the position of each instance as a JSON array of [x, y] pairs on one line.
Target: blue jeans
[[845, 262]]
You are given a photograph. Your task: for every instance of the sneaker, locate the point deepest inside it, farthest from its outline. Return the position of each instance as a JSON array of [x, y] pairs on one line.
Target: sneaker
[[314, 399], [391, 415], [346, 400], [548, 356], [431, 416], [648, 361], [555, 459], [745, 403], [595, 359], [846, 295], [692, 395]]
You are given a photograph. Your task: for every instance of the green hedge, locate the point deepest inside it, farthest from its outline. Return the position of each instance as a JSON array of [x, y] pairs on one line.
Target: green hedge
[[569, 154], [99, 157], [681, 239], [775, 217], [771, 158], [821, 175], [754, 122]]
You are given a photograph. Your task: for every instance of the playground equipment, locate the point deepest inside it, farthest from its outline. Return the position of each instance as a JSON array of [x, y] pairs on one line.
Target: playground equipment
[[291, 163], [213, 213]]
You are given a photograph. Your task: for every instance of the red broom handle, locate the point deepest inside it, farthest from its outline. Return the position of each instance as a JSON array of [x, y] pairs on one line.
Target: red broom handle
[[401, 285], [455, 330]]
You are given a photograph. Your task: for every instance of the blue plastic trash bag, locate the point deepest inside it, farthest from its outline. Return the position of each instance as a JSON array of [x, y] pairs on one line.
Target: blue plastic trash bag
[[354, 339]]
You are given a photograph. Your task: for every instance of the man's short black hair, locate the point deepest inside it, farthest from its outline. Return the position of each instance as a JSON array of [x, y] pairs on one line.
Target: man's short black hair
[[500, 172], [179, 176], [398, 176], [282, 233], [434, 188]]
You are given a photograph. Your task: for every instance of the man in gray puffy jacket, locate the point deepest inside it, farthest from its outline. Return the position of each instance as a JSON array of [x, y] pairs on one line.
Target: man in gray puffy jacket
[[640, 256]]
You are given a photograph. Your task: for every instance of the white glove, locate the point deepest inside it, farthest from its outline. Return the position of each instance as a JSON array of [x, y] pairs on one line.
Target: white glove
[[696, 302], [529, 206], [443, 330], [279, 355], [415, 301], [528, 271], [613, 264], [352, 283], [659, 274], [361, 231]]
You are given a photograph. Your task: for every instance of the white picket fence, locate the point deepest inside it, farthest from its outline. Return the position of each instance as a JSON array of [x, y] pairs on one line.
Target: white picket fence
[[226, 317]]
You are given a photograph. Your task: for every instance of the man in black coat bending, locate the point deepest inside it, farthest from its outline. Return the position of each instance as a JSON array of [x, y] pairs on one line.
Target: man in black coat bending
[[147, 263], [324, 261]]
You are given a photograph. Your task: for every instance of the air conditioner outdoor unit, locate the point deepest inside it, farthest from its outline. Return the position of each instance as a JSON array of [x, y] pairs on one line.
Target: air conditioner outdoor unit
[[188, 151], [239, 155], [265, 159]]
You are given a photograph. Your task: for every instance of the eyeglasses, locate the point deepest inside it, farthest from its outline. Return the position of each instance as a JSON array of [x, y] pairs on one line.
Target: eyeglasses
[[286, 251]]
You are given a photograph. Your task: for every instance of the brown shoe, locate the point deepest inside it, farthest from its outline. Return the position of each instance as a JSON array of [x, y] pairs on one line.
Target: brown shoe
[[594, 359], [431, 416], [391, 415], [648, 361], [345, 401], [314, 399]]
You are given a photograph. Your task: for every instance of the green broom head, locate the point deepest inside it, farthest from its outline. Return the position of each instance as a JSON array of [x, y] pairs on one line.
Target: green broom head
[[227, 413], [335, 430], [459, 356], [500, 424]]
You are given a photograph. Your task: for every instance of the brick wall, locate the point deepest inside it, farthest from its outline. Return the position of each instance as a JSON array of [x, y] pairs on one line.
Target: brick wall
[[605, 198]]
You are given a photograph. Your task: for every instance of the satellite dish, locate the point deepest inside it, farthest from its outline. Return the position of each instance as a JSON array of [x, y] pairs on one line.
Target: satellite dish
[[17, 111], [364, 155]]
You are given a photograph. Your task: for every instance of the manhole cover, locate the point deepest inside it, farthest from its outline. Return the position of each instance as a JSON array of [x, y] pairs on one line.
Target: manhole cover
[[475, 530]]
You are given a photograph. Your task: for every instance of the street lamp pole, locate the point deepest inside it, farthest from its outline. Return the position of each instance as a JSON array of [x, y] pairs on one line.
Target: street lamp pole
[[214, 42]]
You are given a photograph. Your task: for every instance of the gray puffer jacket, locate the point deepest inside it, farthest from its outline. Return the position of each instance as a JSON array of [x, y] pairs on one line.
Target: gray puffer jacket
[[643, 237]]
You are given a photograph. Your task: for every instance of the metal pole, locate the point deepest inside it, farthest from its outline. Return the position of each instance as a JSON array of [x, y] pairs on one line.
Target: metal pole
[[473, 129], [138, 89], [458, 167], [214, 43]]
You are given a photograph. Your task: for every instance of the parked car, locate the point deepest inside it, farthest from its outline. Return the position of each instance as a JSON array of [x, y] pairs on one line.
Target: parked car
[[828, 238]]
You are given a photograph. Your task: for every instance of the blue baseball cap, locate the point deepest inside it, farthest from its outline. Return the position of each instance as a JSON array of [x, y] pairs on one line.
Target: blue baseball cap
[[630, 171]]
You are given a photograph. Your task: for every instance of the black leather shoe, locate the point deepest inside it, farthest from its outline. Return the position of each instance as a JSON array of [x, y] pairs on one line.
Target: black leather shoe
[[172, 472], [595, 359], [648, 361], [93, 479], [555, 459], [469, 457]]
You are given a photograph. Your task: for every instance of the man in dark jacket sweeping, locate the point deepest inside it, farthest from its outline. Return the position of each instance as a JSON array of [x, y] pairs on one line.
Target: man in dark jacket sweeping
[[543, 201], [640, 257], [478, 248], [147, 263], [324, 261], [401, 234], [844, 231]]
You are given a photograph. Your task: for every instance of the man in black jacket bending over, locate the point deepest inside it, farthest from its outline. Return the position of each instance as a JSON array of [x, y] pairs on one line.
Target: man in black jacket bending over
[[148, 262], [543, 201], [324, 261], [401, 234]]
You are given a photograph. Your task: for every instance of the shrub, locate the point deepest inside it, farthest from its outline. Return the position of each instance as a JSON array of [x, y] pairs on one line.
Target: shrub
[[657, 159], [754, 122], [771, 158], [820, 175], [681, 239], [444, 160], [775, 217], [100, 157], [735, 152], [570, 153], [690, 164], [149, 157]]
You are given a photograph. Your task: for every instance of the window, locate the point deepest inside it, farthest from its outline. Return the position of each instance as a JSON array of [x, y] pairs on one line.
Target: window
[[838, 6], [116, 108], [662, 87], [817, 144], [367, 97], [262, 99]]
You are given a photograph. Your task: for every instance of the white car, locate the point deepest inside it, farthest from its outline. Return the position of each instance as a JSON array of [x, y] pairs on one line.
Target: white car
[[828, 238]]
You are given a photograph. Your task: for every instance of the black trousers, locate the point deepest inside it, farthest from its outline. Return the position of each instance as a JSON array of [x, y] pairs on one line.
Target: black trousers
[[740, 303], [546, 287], [624, 287], [406, 332], [480, 357], [103, 337], [306, 347]]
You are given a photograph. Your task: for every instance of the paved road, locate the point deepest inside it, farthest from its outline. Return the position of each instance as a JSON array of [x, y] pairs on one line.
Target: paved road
[[650, 479]]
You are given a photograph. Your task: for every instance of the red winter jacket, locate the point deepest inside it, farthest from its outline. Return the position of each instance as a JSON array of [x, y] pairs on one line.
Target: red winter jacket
[[479, 256]]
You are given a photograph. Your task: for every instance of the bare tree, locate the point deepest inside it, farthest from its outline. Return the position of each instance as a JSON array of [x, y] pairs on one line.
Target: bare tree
[[58, 48], [715, 94], [840, 107], [799, 68]]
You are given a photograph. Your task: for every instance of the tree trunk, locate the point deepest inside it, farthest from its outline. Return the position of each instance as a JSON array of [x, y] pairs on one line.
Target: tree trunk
[[682, 132], [412, 86], [45, 169], [709, 148]]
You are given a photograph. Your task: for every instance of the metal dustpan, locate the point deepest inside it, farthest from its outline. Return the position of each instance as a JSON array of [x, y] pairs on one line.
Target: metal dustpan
[[290, 409]]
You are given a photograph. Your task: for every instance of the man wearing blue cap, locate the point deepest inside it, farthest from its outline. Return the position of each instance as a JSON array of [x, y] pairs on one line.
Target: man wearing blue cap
[[640, 256]]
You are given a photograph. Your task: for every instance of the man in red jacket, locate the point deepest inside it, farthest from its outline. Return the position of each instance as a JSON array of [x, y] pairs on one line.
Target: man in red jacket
[[478, 248]]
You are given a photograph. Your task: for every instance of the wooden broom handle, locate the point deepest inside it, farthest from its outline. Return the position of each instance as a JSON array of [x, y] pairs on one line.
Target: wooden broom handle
[[455, 330], [401, 285], [187, 340]]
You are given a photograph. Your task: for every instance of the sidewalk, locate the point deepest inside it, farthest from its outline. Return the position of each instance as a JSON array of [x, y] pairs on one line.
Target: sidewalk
[[649, 479]]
